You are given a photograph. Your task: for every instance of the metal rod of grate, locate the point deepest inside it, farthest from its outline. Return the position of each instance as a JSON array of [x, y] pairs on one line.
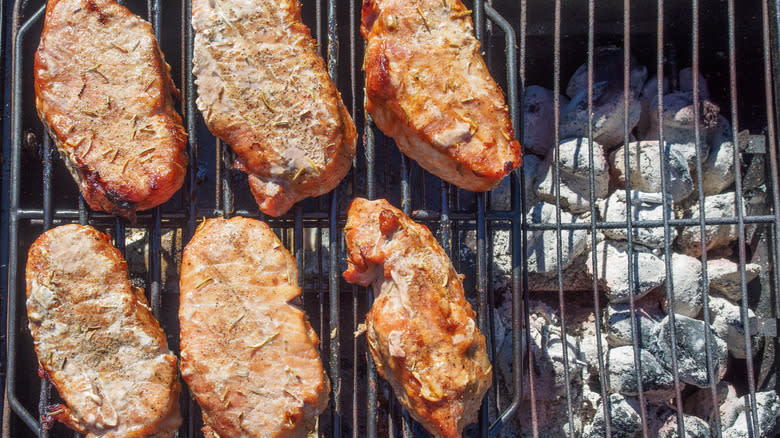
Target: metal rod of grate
[[372, 411]]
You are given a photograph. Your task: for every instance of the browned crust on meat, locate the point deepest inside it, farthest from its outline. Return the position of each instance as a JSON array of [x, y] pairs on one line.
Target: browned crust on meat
[[113, 123], [265, 90], [429, 89], [82, 311], [249, 358], [421, 330]]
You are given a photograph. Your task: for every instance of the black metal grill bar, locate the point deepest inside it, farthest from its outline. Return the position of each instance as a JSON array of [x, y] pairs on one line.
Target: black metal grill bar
[[334, 245], [406, 207], [356, 291], [771, 132], [189, 409], [593, 237], [482, 296], [482, 247], [629, 218], [755, 426], [558, 209], [179, 219], [370, 145], [45, 392], [482, 293], [702, 219], [520, 314], [13, 220], [666, 219], [517, 213], [154, 231]]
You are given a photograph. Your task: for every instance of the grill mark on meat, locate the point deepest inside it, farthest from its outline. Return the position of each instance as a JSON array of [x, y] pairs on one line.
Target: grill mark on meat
[[97, 185], [92, 7]]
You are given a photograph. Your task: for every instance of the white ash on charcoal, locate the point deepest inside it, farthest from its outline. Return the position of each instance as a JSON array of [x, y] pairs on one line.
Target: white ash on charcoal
[[693, 427], [539, 119], [618, 323], [725, 278], [542, 248], [729, 325], [645, 168], [735, 416], [718, 236], [679, 119], [531, 168], [501, 260], [501, 196], [614, 265], [650, 94], [657, 381], [625, 420], [503, 361], [608, 99], [644, 207], [688, 293], [591, 402], [691, 350], [541, 253], [547, 350], [548, 368], [677, 110], [574, 278], [574, 169], [718, 169]]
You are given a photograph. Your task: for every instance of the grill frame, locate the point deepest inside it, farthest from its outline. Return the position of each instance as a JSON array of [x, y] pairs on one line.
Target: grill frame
[[331, 216]]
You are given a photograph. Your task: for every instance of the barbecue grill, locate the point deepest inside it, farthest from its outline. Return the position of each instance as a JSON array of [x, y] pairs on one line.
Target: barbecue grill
[[735, 43]]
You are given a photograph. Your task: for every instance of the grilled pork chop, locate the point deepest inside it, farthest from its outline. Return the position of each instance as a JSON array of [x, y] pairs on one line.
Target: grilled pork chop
[[97, 340], [264, 89], [249, 358], [421, 330], [103, 90], [429, 89]]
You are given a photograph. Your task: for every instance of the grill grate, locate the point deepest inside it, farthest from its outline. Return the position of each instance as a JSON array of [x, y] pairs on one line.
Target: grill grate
[[361, 404]]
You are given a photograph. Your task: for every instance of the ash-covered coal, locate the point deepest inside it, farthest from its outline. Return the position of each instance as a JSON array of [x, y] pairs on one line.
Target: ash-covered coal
[[661, 270], [574, 173], [690, 340], [645, 206], [657, 381]]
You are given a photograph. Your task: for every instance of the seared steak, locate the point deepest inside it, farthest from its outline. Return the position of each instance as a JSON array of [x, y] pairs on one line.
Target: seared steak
[[421, 330], [97, 340], [429, 89], [103, 90], [263, 88], [249, 358]]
